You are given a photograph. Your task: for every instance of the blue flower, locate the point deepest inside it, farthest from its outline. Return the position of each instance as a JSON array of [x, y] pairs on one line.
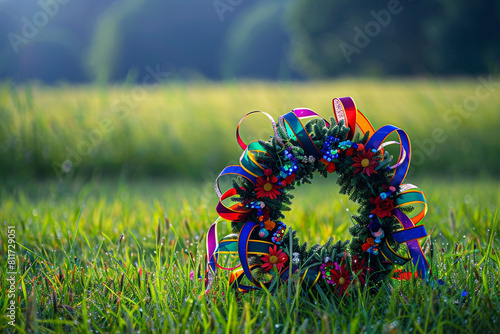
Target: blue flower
[[345, 144]]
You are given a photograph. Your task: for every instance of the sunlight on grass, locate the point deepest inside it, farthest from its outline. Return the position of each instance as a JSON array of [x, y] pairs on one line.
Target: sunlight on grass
[[134, 257], [187, 129]]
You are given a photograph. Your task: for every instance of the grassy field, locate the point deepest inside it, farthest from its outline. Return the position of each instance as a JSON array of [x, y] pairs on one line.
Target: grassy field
[[114, 243], [187, 130], [126, 262]]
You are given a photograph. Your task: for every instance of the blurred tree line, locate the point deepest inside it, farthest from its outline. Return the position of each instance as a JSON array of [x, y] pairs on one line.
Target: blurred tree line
[[380, 37], [115, 40]]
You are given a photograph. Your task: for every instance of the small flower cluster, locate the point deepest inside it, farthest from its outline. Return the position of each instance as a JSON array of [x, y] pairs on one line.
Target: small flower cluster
[[259, 205], [265, 228], [265, 223], [327, 270], [270, 187], [346, 144], [328, 152], [279, 233], [337, 275], [390, 190], [372, 245], [310, 159], [289, 168]]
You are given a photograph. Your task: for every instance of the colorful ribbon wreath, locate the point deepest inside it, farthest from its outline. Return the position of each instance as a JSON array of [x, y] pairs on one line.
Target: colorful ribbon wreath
[[243, 246]]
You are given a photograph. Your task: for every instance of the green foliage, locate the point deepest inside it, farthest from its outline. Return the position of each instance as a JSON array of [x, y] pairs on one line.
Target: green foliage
[[383, 37]]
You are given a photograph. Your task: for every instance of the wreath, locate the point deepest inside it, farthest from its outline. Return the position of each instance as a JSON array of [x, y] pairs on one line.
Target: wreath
[[386, 228]]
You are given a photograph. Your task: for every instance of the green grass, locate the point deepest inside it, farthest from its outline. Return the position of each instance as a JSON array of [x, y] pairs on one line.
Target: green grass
[[76, 273], [187, 129], [110, 245]]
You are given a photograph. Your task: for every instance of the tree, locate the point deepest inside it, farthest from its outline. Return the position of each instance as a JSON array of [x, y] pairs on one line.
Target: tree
[[392, 37]]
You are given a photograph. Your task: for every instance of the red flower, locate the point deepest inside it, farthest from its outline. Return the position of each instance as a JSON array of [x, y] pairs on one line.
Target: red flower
[[341, 278], [349, 152], [274, 258], [267, 187], [365, 162], [266, 212], [383, 207], [370, 241], [330, 168], [365, 247], [359, 270], [288, 180]]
